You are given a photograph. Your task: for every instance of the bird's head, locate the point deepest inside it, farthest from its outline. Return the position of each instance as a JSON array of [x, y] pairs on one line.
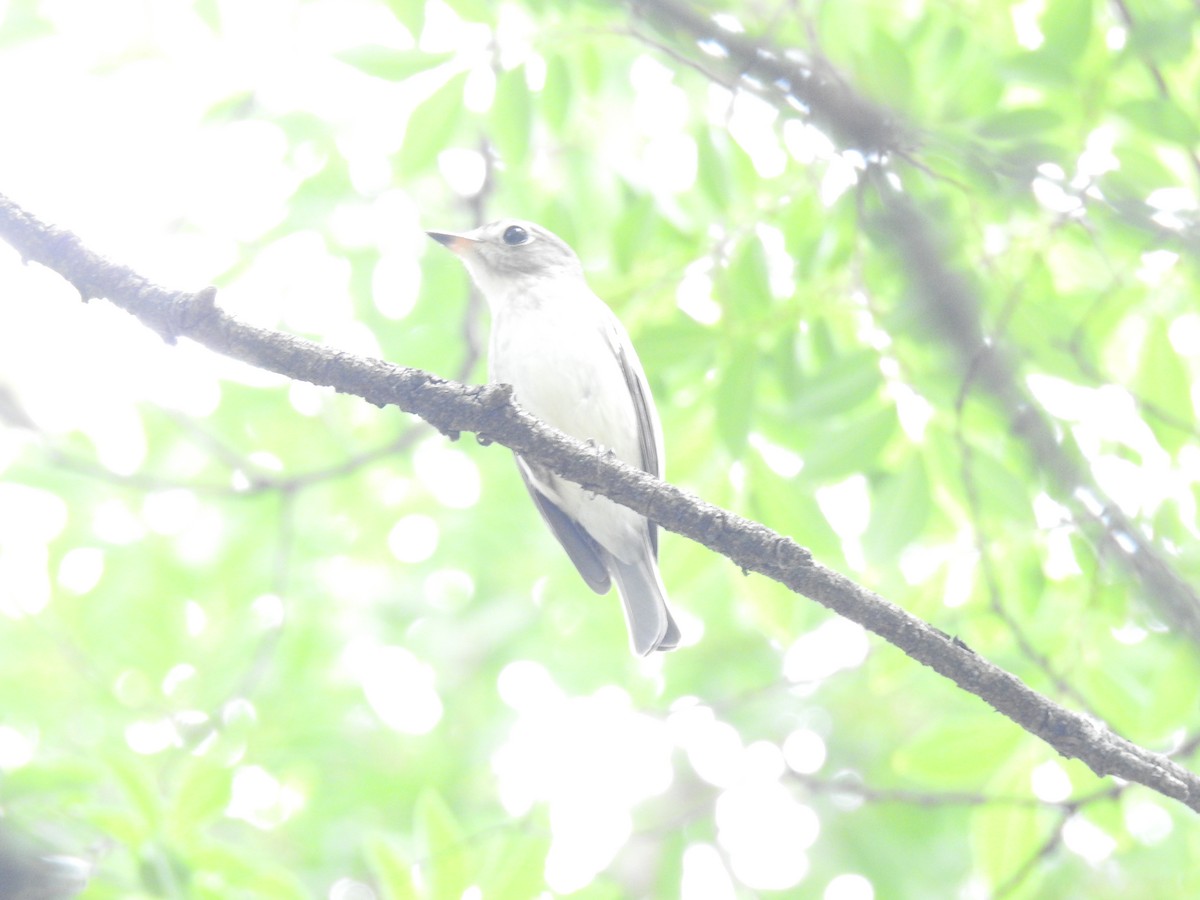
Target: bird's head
[[511, 254]]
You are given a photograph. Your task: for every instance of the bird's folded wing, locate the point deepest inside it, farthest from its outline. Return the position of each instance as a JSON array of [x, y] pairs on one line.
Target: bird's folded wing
[[580, 546], [648, 427]]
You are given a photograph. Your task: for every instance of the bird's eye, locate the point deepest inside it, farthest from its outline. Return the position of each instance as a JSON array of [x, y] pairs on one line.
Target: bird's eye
[[514, 235]]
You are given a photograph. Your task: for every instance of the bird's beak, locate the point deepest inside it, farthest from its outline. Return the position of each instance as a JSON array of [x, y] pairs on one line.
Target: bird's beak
[[458, 243]]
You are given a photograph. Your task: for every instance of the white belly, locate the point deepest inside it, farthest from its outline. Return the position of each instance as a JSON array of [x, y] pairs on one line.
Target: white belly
[[564, 371]]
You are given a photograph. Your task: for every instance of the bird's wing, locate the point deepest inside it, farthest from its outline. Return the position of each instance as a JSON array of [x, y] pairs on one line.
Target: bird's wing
[[583, 549], [649, 431]]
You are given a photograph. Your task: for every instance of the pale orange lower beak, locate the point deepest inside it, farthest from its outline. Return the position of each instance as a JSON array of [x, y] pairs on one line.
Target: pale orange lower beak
[[458, 243]]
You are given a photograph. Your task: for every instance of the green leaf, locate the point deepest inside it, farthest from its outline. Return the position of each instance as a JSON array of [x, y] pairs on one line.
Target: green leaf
[[1165, 38], [849, 445], [1163, 381], [202, 795], [445, 844], [680, 341], [1141, 171], [631, 230], [139, 787], [474, 10], [233, 870], [23, 23], [555, 102], [389, 63], [1004, 837], [952, 752], [410, 13], [711, 172], [900, 507], [318, 194], [890, 71], [236, 106], [1162, 118], [164, 871], [510, 124], [1067, 28], [393, 873], [1042, 69], [1016, 124], [208, 11], [1000, 487], [735, 398], [517, 866], [838, 386], [745, 284], [430, 127]]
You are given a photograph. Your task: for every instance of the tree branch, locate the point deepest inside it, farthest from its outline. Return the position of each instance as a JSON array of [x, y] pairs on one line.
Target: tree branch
[[488, 411]]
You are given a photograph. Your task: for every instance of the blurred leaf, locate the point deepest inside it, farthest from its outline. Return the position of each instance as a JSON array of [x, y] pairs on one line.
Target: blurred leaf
[[745, 289], [890, 72], [680, 342], [392, 871], [1161, 118], [839, 386], [999, 485], [900, 506], [1164, 381], [589, 64], [316, 196], [1162, 35], [473, 10], [223, 870], [446, 847], [557, 94], [68, 777], [23, 23], [848, 445], [202, 796], [430, 127], [511, 119], [209, 13], [410, 13], [950, 754], [232, 108], [389, 63], [1004, 838], [1014, 124], [1067, 28], [735, 398], [711, 174], [629, 237], [1141, 170], [134, 779], [163, 871], [782, 362], [517, 866]]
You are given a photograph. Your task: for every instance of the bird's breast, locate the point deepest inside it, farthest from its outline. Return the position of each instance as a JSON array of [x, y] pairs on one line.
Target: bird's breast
[[564, 371]]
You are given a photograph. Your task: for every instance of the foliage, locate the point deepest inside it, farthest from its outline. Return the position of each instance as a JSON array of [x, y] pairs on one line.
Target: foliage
[[262, 640]]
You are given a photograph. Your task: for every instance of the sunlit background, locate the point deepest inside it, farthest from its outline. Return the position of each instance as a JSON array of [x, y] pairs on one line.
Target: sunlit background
[[262, 640]]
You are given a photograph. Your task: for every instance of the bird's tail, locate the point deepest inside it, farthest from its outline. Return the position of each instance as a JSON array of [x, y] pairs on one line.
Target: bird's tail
[[645, 600]]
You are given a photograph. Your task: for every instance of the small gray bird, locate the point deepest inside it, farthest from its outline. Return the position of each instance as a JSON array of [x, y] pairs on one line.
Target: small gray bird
[[571, 364]]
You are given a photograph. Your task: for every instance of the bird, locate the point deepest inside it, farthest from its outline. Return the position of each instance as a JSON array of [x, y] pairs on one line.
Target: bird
[[570, 363]]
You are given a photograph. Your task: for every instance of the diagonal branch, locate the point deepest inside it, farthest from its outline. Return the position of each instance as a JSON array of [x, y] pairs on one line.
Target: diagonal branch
[[488, 411]]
